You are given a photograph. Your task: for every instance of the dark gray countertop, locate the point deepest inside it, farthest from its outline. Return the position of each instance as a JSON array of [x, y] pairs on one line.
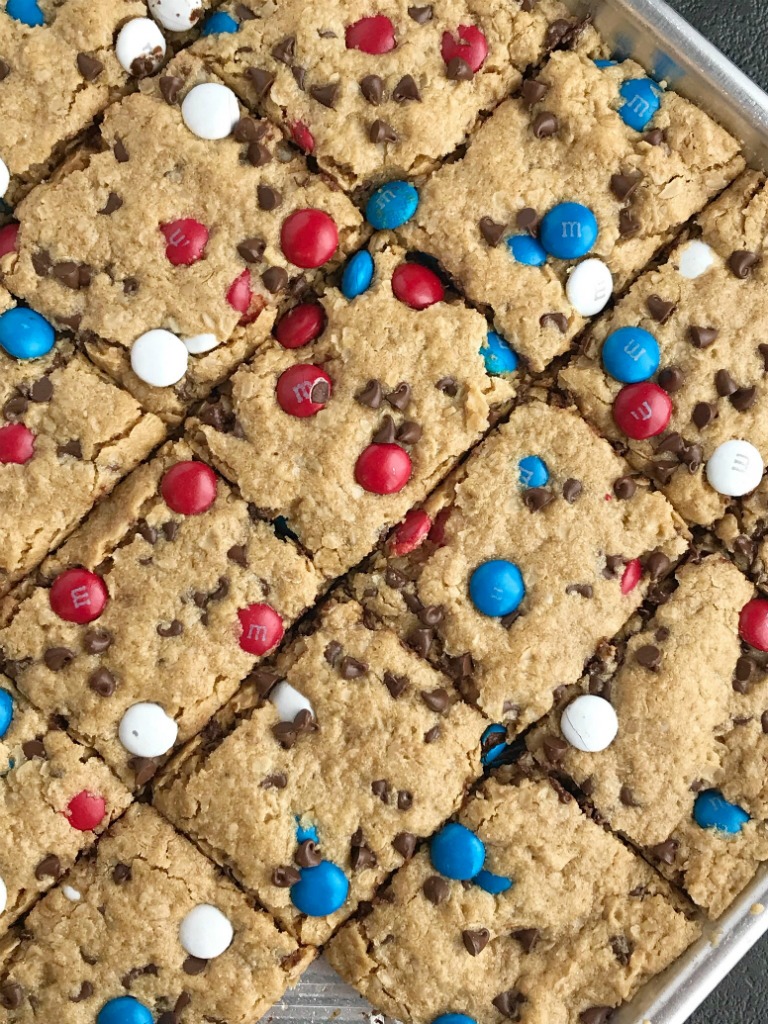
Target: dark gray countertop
[[738, 28]]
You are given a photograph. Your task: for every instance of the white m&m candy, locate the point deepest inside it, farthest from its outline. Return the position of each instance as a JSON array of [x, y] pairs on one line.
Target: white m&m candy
[[71, 893], [695, 259], [176, 15], [200, 343], [289, 702], [205, 932], [159, 358], [210, 111], [589, 287], [140, 47], [147, 731], [735, 468], [589, 723], [5, 178]]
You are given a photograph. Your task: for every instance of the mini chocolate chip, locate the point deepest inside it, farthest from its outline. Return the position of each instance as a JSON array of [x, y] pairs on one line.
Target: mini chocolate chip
[[34, 749], [170, 87], [96, 641], [86, 991], [406, 90], [261, 79], [537, 498], [194, 965], [527, 937], [170, 530], [436, 889], [371, 395], [174, 628], [623, 185], [572, 490], [405, 843], [279, 780], [558, 320], [5, 70], [396, 685], [49, 867], [448, 385], [628, 225], [491, 231], [89, 67], [627, 797], [285, 50], [702, 337], [372, 88], [742, 262], [533, 91], [361, 855], [113, 203], [475, 940], [508, 1003], [57, 658], [703, 414], [381, 131], [121, 153], [325, 94], [421, 15], [308, 855], [380, 788], [764, 721], [624, 488], [457, 70], [144, 769], [400, 397], [661, 634], [528, 220], [431, 614], [102, 682], [386, 432], [744, 668], [247, 129], [555, 748], [41, 391], [239, 555], [596, 1015], [648, 656], [660, 309], [432, 735], [72, 448], [404, 800], [666, 851], [351, 668], [121, 873], [275, 279], [743, 399], [654, 137], [258, 154], [285, 877], [436, 700], [409, 432], [15, 406], [268, 198], [545, 125], [252, 249]]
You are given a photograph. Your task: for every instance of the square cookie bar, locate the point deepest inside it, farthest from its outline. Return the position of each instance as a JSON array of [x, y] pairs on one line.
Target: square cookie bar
[[676, 373], [67, 435], [668, 735], [376, 95], [311, 797], [526, 544], [589, 161], [145, 622], [147, 930], [359, 406], [55, 798], [160, 256], [530, 912]]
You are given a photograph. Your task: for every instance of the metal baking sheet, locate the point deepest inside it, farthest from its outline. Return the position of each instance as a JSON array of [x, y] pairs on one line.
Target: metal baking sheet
[[672, 51]]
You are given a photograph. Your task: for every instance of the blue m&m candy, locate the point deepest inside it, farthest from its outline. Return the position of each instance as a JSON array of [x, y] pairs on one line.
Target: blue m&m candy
[[496, 588], [498, 356], [357, 275], [124, 1010], [641, 101], [392, 205], [219, 23], [25, 11], [493, 884], [631, 355], [321, 890], [568, 231], [454, 1018], [533, 471], [456, 852], [493, 743], [6, 712], [712, 810], [527, 250], [304, 832], [605, 63], [24, 334]]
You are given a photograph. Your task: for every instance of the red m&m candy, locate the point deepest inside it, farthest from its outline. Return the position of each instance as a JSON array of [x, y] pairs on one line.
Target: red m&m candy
[[631, 576], [417, 286], [302, 136], [383, 468], [86, 811], [437, 533], [375, 34], [411, 533], [642, 410], [303, 390], [753, 624], [471, 46], [240, 293], [189, 488], [17, 444], [262, 628], [309, 238], [300, 325], [187, 239], [9, 239], [78, 596]]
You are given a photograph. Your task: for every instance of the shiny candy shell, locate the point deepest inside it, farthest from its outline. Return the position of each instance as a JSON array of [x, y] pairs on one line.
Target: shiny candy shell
[[9, 233], [630, 355], [186, 240], [641, 101], [147, 731], [210, 111], [6, 712], [533, 471], [589, 287], [568, 231], [322, 890], [140, 47], [494, 884], [300, 325], [302, 390], [200, 343], [753, 624], [5, 178], [589, 723], [24, 334], [494, 743], [17, 444], [288, 701], [309, 238], [78, 596], [176, 15], [26, 11], [189, 488], [159, 358], [498, 355], [468, 43], [642, 410], [124, 1010], [526, 250], [375, 34], [383, 468], [456, 852], [411, 533], [86, 811], [261, 628], [392, 205], [712, 810], [417, 286], [219, 23], [205, 932], [358, 274], [735, 468], [496, 588]]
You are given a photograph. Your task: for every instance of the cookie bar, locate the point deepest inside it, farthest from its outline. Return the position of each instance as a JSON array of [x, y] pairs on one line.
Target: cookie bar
[[340, 436], [55, 798], [67, 435], [164, 257], [530, 912], [532, 540], [689, 340], [588, 161], [147, 930], [150, 615], [312, 796], [678, 765], [378, 95]]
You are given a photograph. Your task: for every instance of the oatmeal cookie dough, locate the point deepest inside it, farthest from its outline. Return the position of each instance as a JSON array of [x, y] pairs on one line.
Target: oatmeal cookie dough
[[67, 436], [179, 246], [146, 620], [555, 891], [314, 794], [374, 95], [149, 919], [690, 696], [341, 436], [573, 167], [56, 797], [516, 568]]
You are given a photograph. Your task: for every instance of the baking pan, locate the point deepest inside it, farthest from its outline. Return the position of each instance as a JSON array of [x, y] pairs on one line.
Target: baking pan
[[675, 53]]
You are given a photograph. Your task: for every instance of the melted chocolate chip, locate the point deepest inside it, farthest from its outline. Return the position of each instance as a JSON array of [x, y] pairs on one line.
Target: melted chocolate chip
[[49, 867]]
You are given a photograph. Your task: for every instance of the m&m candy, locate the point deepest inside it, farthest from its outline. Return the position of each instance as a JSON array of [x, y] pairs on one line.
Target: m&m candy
[[300, 325], [374, 34], [496, 588], [24, 334], [357, 275], [309, 238], [219, 23], [411, 533], [417, 286], [456, 852], [189, 488], [176, 15], [493, 884], [493, 743], [261, 628], [383, 468], [6, 712], [568, 231], [140, 47], [78, 596], [145, 730], [641, 101], [205, 932], [589, 287], [391, 205], [302, 390], [186, 241], [26, 11], [712, 810], [86, 811], [124, 1010], [159, 358], [468, 44], [498, 355], [735, 468], [210, 111], [753, 624], [322, 890], [589, 723], [642, 410], [454, 1018], [527, 250], [631, 355], [17, 444], [533, 471], [288, 701]]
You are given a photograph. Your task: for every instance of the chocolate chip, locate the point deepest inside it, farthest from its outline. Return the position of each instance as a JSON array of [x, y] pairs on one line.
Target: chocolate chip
[[268, 198], [351, 668], [743, 399], [380, 788], [400, 397], [555, 748], [396, 685], [764, 721], [654, 137], [623, 185], [121, 873], [491, 231], [436, 889], [239, 555], [725, 384], [448, 385], [436, 700], [96, 641], [648, 656], [381, 131], [11, 995], [406, 90], [527, 220], [285, 877], [508, 1004], [320, 392], [702, 337], [742, 262], [533, 91], [252, 249], [432, 735], [258, 154], [57, 658], [325, 94], [624, 488], [386, 432], [558, 320], [333, 652], [627, 797], [596, 1015], [144, 769], [405, 844], [86, 991], [15, 407], [666, 851], [404, 800], [421, 15], [170, 87], [308, 855], [194, 965], [572, 490], [431, 614], [457, 70], [409, 432], [34, 749], [285, 50], [5, 70], [89, 67], [113, 203], [527, 937], [41, 391], [537, 498], [628, 225], [475, 940], [660, 309], [582, 589], [703, 414], [49, 867], [657, 564], [420, 640], [275, 279], [261, 79], [174, 628], [545, 125], [102, 682], [371, 395], [361, 855], [121, 153], [372, 88], [247, 129]]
